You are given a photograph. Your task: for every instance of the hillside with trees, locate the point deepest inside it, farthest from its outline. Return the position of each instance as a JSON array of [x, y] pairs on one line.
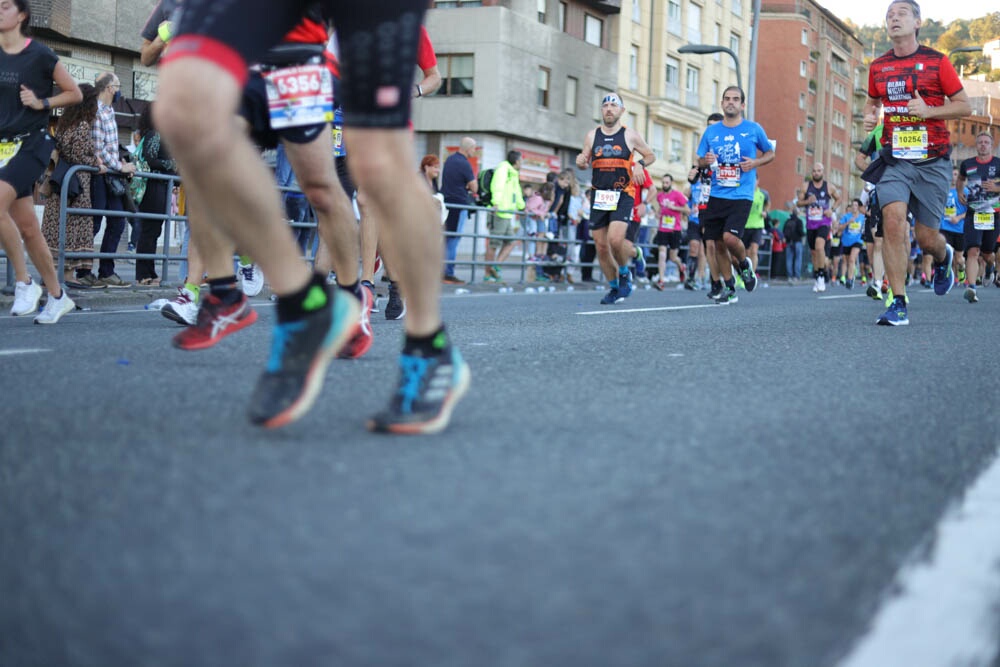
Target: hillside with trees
[[944, 38]]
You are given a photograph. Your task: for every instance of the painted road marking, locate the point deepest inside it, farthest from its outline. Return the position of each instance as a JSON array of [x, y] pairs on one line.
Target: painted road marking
[[945, 612], [11, 353], [618, 311]]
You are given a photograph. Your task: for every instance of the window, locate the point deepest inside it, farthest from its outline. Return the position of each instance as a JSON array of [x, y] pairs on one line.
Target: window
[[840, 90], [633, 67], [633, 121], [674, 17], [837, 178], [544, 73], [717, 39], [802, 100], [798, 165], [656, 140], [839, 65], [691, 86], [694, 23], [800, 134], [716, 92], [456, 74], [803, 68], [737, 7], [805, 37], [593, 30], [458, 3], [837, 148], [562, 16], [673, 79], [572, 84], [541, 10], [734, 46], [839, 120], [676, 145], [810, 122], [636, 11]]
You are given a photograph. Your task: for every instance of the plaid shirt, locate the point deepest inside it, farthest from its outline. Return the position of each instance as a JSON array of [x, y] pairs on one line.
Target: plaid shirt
[[106, 137]]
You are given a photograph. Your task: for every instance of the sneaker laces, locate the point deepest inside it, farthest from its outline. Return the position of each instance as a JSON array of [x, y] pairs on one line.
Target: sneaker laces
[[247, 272], [413, 371]]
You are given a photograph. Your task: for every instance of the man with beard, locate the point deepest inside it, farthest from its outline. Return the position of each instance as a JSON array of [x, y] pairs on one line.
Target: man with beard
[[737, 147], [819, 199], [615, 183], [981, 175]]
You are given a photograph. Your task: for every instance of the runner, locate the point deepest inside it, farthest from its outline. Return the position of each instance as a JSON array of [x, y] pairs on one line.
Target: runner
[[753, 232], [28, 69], [953, 227], [672, 206], [700, 180], [736, 147], [635, 236], [206, 68], [872, 234], [608, 149], [981, 175], [851, 229], [820, 199]]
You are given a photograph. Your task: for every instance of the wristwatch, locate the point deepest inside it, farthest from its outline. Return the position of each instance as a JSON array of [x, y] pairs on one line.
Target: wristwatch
[[45, 104]]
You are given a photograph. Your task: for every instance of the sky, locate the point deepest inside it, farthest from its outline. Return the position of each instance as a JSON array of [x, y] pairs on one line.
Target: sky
[[869, 12]]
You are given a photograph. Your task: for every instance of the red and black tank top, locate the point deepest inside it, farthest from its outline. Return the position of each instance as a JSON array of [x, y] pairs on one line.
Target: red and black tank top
[[611, 160]]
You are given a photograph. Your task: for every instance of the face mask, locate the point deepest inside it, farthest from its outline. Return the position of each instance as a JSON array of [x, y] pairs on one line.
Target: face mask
[[117, 96]]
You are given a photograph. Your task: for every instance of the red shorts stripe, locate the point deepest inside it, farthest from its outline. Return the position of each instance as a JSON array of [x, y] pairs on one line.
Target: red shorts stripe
[[206, 48]]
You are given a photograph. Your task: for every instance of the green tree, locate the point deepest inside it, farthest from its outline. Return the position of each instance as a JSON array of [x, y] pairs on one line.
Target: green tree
[[984, 29], [955, 36]]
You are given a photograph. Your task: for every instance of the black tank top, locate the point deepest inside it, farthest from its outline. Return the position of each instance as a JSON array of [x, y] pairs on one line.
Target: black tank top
[[817, 211], [32, 67], [611, 160]]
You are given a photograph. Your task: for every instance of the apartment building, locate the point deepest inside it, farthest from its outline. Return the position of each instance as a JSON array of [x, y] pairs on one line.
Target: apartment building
[[984, 97], [811, 88], [518, 74], [668, 94]]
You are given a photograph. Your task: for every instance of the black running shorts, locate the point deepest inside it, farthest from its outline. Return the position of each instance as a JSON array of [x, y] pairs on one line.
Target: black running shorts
[[724, 215], [378, 47], [23, 170]]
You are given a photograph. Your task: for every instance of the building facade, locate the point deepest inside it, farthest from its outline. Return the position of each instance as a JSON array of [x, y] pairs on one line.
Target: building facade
[[811, 88], [668, 94], [518, 74], [984, 97]]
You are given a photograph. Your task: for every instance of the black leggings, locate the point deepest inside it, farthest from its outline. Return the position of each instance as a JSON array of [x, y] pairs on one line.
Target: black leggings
[[378, 47], [156, 200]]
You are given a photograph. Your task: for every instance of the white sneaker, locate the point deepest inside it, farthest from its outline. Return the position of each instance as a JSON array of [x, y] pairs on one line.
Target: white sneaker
[[821, 284], [55, 309], [26, 298], [815, 284], [251, 279], [183, 309]]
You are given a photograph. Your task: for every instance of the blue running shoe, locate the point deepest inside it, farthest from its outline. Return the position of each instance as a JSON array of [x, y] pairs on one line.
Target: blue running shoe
[[640, 263], [300, 352], [624, 288], [895, 316], [429, 389], [944, 279], [611, 297]]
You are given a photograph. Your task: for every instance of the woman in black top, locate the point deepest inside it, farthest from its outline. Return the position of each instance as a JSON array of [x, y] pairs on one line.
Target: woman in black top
[[157, 196], [27, 71]]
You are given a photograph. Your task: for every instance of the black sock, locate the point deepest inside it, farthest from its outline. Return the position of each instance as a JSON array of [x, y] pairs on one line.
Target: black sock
[[354, 289], [716, 285], [309, 299], [731, 283], [225, 289], [426, 346]]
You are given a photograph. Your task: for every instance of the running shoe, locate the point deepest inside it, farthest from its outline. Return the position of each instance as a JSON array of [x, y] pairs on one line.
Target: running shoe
[[961, 275], [749, 277], [715, 292], [300, 352], [849, 284], [182, 309], [251, 279], [690, 285], [451, 279], [429, 389], [660, 285], [611, 297], [370, 285], [970, 295], [55, 309], [727, 297], [895, 316], [624, 288], [395, 307], [361, 341], [943, 273], [996, 280], [216, 320], [639, 262], [820, 284], [26, 298]]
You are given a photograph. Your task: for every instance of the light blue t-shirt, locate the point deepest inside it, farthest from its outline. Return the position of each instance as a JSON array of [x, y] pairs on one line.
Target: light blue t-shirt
[[953, 207], [731, 146], [852, 233]]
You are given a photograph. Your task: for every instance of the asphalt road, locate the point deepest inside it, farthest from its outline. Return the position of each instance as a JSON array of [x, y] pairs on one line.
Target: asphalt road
[[706, 485]]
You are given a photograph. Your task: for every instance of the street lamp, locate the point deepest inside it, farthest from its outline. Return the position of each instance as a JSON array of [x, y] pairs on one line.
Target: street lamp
[[965, 49], [705, 49]]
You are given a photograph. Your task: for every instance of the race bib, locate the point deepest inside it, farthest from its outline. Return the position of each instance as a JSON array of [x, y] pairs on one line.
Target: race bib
[[814, 213], [854, 227], [606, 200], [983, 221], [835, 242], [950, 210], [668, 223], [727, 176], [909, 143], [301, 95], [8, 149]]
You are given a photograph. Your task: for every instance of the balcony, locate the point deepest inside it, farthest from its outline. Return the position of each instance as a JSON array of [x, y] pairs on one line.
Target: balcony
[[606, 6]]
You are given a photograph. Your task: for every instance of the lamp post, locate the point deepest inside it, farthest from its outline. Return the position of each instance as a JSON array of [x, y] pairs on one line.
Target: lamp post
[[705, 49], [964, 49]]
